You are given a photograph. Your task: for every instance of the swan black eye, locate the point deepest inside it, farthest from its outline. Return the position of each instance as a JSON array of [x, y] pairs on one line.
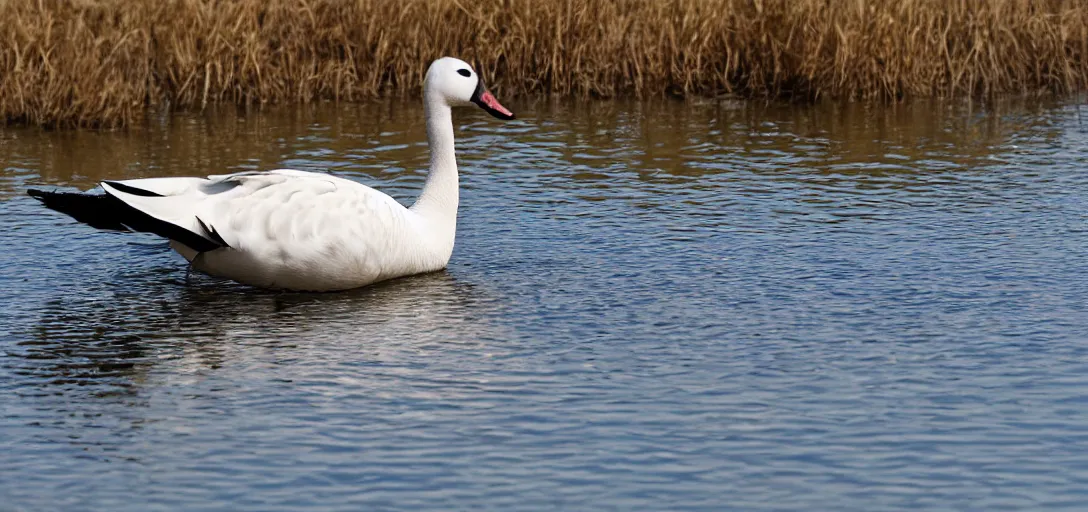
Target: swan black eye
[[464, 72]]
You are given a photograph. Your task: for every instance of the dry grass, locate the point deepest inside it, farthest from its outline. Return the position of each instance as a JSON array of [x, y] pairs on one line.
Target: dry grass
[[104, 62]]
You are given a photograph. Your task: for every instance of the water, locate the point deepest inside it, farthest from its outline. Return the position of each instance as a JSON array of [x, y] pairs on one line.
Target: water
[[650, 306]]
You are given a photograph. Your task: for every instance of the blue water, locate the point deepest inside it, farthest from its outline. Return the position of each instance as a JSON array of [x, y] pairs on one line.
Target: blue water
[[650, 306]]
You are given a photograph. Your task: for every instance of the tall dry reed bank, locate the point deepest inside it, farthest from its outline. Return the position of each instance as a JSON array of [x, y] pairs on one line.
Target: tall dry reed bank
[[103, 62]]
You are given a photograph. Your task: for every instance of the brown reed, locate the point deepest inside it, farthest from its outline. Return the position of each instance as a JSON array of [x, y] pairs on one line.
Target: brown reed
[[105, 62]]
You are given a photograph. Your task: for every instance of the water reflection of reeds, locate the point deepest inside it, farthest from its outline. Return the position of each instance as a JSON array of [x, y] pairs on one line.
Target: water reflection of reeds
[[591, 142]]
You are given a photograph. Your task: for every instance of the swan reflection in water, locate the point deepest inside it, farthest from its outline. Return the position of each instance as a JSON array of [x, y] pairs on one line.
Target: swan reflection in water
[[124, 339]]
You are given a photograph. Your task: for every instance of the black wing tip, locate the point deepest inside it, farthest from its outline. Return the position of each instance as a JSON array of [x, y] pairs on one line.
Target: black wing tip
[[49, 196], [212, 233], [129, 189], [104, 211]]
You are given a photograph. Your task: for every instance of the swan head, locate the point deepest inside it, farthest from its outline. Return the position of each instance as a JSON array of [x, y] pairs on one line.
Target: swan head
[[454, 82]]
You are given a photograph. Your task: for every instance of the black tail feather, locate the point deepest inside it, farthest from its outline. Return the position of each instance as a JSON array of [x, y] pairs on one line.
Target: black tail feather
[[103, 211], [99, 211]]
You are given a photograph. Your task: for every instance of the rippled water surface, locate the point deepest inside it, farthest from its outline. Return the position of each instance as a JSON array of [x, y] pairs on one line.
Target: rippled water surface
[[650, 306]]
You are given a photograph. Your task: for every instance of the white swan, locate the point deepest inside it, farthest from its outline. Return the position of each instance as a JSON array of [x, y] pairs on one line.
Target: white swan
[[297, 230]]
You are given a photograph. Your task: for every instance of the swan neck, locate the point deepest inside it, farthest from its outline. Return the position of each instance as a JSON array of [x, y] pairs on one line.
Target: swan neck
[[440, 194]]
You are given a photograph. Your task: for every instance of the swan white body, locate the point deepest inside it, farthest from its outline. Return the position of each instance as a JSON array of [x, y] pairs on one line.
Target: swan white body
[[300, 230], [297, 230]]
